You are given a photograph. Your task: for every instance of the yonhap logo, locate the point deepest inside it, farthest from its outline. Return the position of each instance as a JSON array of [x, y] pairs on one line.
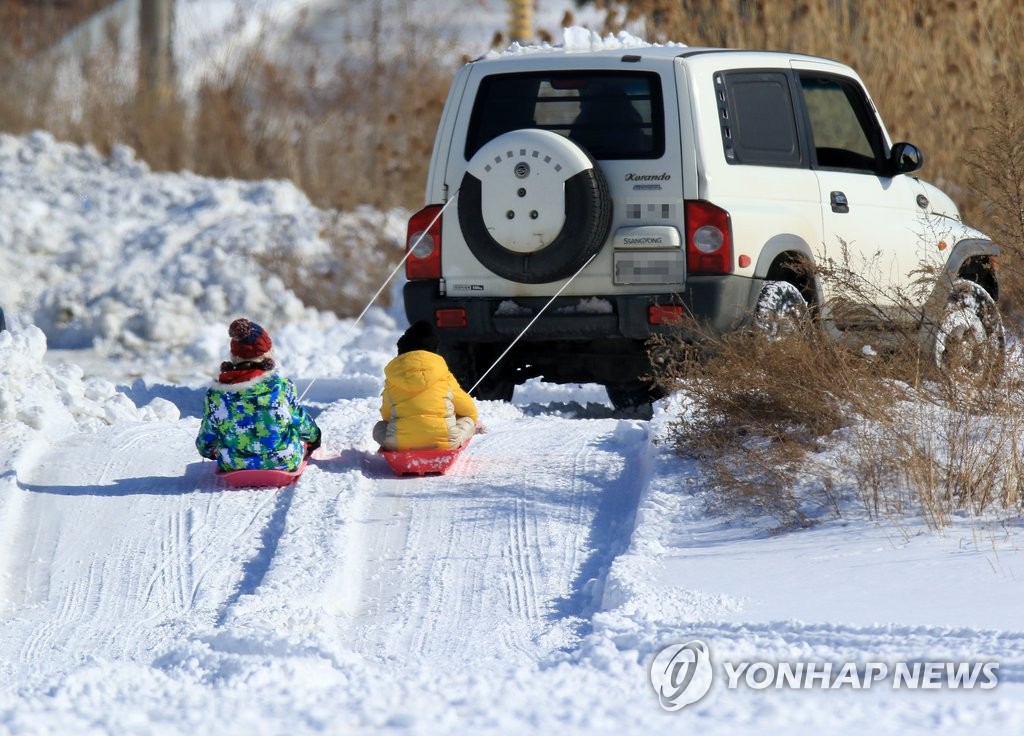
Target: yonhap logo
[[681, 674]]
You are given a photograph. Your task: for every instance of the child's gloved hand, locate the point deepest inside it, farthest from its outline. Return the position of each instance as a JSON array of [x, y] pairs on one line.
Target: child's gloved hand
[[481, 428]]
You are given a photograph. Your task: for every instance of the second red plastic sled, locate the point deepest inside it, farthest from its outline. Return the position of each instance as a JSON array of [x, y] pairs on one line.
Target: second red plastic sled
[[421, 462]]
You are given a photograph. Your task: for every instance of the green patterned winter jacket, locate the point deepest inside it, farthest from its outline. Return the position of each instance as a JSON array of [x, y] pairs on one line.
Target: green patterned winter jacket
[[258, 424]]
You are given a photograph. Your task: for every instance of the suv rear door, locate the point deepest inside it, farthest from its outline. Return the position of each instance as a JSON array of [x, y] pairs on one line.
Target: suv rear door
[[639, 159]]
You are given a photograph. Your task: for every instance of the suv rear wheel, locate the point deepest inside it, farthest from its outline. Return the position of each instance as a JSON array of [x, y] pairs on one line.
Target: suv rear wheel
[[468, 363], [634, 398], [781, 310]]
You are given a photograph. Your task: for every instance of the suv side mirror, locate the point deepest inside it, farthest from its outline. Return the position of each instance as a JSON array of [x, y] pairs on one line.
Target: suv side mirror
[[904, 158]]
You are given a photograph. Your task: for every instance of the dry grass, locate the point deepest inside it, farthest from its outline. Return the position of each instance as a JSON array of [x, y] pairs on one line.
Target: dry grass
[[796, 425], [30, 25], [996, 177], [364, 138], [939, 457]]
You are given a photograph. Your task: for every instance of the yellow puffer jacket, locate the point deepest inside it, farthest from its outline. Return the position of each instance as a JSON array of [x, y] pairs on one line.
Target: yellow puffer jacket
[[422, 400]]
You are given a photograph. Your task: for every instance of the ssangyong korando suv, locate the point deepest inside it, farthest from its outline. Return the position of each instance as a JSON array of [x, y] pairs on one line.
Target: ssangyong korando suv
[[645, 184]]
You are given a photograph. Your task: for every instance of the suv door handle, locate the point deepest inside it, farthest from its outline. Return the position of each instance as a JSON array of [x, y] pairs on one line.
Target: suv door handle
[[839, 203]]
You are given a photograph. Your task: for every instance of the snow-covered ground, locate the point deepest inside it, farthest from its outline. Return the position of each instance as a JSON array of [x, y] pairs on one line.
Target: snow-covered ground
[[528, 591]]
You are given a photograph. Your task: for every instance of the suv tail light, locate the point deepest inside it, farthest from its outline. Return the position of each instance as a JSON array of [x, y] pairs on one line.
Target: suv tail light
[[708, 238], [424, 262]]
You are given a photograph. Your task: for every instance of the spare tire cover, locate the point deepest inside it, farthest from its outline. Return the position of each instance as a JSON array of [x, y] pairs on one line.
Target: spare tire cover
[[533, 206]]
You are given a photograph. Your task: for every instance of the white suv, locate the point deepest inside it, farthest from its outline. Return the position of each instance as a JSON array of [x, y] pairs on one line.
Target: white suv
[[644, 184]]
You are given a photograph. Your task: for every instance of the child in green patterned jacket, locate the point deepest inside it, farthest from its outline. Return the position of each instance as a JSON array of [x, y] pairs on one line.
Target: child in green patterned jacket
[[252, 419]]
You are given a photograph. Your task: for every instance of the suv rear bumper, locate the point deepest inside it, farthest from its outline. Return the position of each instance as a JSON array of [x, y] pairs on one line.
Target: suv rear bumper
[[717, 304]]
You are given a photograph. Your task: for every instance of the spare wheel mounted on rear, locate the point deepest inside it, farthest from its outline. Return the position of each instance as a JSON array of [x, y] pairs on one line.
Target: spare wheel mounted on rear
[[533, 206]]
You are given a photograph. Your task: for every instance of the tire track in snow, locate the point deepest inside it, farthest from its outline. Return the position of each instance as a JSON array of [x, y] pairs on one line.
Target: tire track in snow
[[78, 598], [480, 563], [207, 551], [88, 581], [521, 575]]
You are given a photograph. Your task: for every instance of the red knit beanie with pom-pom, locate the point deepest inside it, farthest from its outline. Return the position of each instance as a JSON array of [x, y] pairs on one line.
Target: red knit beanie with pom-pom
[[249, 341]]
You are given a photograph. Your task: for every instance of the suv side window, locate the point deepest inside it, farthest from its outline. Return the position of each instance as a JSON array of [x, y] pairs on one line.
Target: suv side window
[[614, 115], [845, 133], [758, 121]]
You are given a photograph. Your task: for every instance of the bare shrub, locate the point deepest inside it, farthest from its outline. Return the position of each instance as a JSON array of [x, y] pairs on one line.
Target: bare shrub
[[760, 410], [996, 166], [794, 425], [940, 454]]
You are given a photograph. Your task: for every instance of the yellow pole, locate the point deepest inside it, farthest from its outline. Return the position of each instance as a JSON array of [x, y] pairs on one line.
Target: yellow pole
[[521, 20]]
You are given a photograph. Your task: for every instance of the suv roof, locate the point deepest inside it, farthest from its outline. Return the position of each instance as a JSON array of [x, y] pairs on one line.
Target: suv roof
[[544, 55]]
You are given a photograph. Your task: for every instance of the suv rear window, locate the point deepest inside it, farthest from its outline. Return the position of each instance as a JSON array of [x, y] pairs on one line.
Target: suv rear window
[[758, 121], [614, 115]]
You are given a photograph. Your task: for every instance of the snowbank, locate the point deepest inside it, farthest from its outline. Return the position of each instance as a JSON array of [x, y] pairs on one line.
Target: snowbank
[[101, 251], [59, 397]]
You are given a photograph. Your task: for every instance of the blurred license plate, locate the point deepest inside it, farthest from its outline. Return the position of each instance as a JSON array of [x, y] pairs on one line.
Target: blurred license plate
[[649, 267]]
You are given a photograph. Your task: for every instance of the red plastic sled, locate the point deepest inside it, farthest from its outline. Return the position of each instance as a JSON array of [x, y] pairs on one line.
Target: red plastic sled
[[269, 478], [421, 462]]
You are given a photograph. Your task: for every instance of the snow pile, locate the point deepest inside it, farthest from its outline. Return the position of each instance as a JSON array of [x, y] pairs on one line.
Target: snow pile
[[60, 397], [579, 38], [101, 251]]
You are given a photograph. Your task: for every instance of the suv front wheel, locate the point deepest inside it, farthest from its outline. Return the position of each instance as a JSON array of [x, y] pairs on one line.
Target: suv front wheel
[[969, 340]]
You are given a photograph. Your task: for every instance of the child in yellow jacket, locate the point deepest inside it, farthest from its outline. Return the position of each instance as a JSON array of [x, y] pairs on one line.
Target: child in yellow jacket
[[422, 406]]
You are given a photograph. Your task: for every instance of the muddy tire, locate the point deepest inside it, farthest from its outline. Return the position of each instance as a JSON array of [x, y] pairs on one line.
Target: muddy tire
[[781, 311]]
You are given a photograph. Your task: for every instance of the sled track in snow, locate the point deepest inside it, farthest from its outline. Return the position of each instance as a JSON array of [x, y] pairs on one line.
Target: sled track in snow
[[475, 563], [114, 584]]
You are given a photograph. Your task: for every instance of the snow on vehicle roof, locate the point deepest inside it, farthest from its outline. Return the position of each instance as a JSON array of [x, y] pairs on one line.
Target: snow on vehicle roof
[[579, 41]]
